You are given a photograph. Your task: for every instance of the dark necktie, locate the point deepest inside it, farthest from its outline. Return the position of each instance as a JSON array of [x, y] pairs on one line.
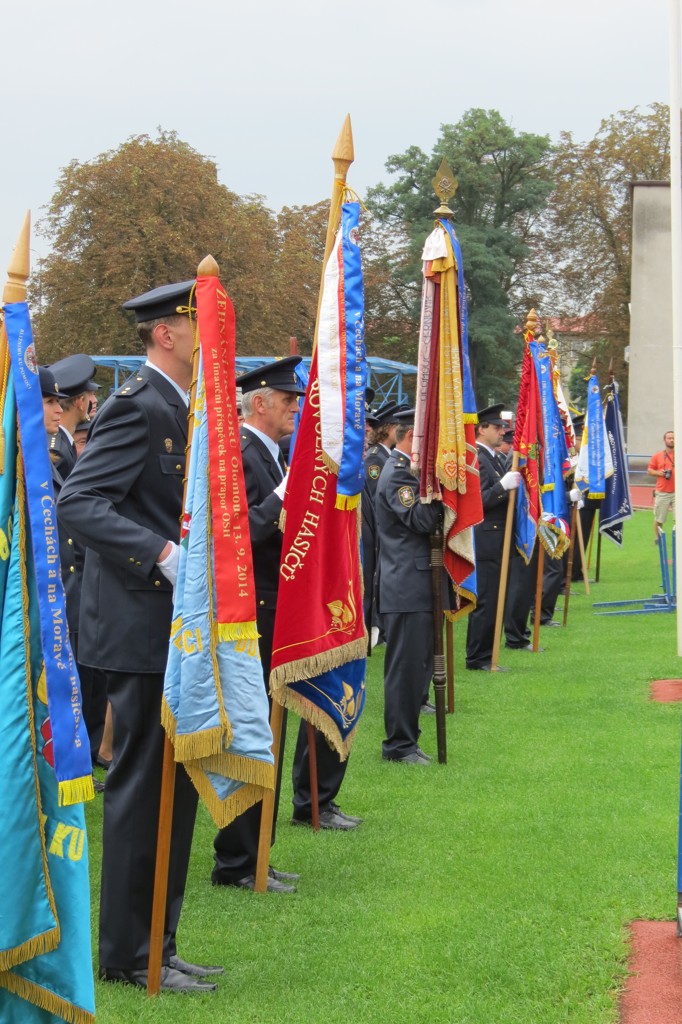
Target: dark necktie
[[281, 462]]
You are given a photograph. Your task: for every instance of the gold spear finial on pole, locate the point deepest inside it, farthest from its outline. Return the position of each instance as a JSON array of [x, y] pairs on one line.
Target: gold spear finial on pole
[[14, 291], [19, 266], [532, 321], [444, 185], [343, 155], [208, 267]]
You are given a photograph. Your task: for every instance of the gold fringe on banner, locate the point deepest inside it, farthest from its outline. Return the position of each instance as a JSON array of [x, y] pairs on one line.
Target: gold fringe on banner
[[223, 812], [305, 668], [347, 502], [329, 462], [323, 723], [226, 631], [212, 741], [45, 1000], [75, 791], [37, 945], [244, 769]]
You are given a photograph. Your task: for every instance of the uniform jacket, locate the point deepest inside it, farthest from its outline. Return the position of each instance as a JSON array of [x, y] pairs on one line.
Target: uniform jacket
[[403, 526], [123, 500], [66, 450], [261, 476], [375, 460], [489, 535], [71, 556]]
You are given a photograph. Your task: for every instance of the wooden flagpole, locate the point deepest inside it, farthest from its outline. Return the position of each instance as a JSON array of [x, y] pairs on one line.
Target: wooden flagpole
[[342, 156], [538, 597], [207, 267], [450, 657], [531, 325], [569, 569], [581, 546]]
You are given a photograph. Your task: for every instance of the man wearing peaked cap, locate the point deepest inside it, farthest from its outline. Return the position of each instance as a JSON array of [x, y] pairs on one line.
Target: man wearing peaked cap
[[123, 499], [496, 482], [278, 375], [270, 396], [75, 376], [384, 423], [404, 596]]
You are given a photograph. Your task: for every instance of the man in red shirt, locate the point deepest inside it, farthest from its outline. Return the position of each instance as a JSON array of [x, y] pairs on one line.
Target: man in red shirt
[[662, 466]]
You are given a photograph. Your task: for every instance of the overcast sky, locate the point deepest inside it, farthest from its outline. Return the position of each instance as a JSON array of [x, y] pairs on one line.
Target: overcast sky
[[263, 87]]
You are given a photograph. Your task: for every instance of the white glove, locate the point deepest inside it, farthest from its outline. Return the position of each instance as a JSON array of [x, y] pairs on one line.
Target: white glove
[[511, 480], [575, 494], [169, 566], [282, 486]]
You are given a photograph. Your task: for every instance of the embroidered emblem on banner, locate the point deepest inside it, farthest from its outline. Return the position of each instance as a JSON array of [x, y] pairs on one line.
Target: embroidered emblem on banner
[[406, 496]]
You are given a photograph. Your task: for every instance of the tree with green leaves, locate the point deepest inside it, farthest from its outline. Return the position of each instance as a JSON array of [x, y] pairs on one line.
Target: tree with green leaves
[[587, 248], [503, 185], [143, 215]]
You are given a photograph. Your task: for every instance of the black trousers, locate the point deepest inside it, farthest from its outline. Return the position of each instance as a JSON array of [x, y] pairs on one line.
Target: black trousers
[[131, 815], [408, 668], [93, 699], [236, 846], [330, 774], [481, 621], [554, 573], [519, 600]]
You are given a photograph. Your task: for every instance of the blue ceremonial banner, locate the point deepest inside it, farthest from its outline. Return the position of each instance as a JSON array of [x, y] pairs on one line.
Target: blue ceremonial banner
[[71, 747], [351, 470], [553, 527], [215, 708], [595, 462], [45, 950], [302, 376], [617, 506]]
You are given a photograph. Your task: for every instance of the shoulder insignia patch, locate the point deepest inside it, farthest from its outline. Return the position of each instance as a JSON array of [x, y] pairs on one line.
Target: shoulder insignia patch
[[374, 471], [406, 496]]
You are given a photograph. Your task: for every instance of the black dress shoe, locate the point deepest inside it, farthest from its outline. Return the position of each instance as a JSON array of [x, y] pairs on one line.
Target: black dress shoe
[[249, 882], [97, 785], [349, 817], [103, 762], [414, 757], [489, 668], [283, 876], [427, 708], [329, 820], [171, 980], [552, 623], [194, 970]]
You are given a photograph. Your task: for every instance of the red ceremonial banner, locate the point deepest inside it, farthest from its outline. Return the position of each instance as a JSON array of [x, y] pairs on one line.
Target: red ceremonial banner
[[235, 594], [319, 623], [528, 434]]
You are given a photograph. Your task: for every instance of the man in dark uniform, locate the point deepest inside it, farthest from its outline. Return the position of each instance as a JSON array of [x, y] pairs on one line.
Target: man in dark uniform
[[496, 481], [75, 377], [123, 501], [405, 597], [375, 460], [269, 403]]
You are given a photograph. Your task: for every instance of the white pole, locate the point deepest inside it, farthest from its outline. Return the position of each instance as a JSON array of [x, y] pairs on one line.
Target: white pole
[[676, 236]]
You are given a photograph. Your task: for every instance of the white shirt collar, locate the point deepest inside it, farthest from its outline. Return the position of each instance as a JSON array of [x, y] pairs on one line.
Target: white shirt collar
[[487, 447], [271, 445]]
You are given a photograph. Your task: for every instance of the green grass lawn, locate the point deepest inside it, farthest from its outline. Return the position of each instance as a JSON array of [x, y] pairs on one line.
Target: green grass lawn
[[495, 889]]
